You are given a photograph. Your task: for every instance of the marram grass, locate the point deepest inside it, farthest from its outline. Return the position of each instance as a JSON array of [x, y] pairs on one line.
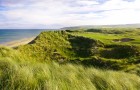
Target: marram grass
[[35, 66], [32, 75]]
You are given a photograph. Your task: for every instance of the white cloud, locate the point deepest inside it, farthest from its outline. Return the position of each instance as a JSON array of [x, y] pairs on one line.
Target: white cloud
[[121, 4], [120, 17], [87, 2], [54, 13]]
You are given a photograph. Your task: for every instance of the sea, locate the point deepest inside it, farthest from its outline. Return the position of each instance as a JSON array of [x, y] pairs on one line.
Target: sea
[[8, 35]]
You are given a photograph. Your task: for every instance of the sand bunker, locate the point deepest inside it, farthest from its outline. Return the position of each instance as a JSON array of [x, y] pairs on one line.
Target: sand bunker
[[123, 40]]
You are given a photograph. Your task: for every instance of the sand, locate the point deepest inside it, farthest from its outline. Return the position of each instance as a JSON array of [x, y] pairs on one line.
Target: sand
[[18, 42]]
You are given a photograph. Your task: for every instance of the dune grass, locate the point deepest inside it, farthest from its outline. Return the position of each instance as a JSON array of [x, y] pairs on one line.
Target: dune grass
[[67, 46], [24, 74], [69, 60]]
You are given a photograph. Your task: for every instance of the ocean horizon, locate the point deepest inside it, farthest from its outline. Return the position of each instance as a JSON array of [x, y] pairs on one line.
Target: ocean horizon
[[8, 35]]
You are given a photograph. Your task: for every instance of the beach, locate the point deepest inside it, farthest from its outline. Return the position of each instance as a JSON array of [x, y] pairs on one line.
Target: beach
[[16, 37], [16, 43]]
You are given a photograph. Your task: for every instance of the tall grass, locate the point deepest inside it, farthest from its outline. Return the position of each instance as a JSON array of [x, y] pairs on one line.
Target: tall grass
[[63, 46], [34, 66], [24, 74]]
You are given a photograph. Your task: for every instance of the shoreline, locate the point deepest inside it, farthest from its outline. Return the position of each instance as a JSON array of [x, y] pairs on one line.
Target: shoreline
[[19, 42]]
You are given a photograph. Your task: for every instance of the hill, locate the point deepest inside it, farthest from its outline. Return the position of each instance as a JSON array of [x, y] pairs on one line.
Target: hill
[[91, 59], [104, 26], [100, 49]]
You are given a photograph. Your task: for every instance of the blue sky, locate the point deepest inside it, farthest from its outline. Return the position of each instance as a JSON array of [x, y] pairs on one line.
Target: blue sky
[[61, 13]]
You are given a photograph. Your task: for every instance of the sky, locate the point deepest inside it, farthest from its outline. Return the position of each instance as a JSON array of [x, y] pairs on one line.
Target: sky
[[53, 14]]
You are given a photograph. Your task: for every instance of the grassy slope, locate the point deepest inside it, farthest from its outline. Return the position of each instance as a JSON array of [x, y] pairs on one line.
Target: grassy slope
[[118, 54], [32, 66], [78, 46], [20, 73], [107, 35]]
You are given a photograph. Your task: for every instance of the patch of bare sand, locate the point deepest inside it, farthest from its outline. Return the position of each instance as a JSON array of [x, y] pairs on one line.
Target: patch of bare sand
[[123, 40]]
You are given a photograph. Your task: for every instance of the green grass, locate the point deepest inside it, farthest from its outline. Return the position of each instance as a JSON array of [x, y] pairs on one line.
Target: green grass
[[105, 38], [108, 38], [106, 35], [73, 47], [22, 74], [73, 60]]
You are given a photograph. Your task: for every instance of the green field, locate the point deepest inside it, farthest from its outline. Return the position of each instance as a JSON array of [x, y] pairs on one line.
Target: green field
[[88, 59], [107, 36]]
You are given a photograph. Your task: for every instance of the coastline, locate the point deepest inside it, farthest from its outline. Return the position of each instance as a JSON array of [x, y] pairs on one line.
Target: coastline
[[19, 42]]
